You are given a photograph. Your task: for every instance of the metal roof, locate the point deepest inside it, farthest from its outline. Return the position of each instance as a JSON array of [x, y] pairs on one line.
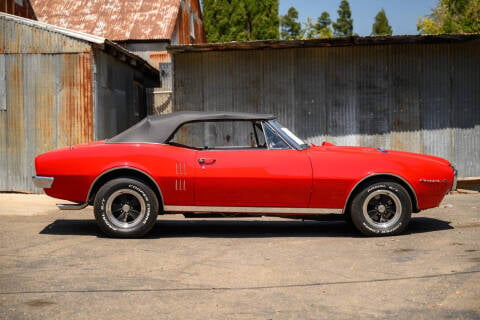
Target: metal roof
[[99, 42], [327, 42], [48, 27], [157, 129], [112, 19]]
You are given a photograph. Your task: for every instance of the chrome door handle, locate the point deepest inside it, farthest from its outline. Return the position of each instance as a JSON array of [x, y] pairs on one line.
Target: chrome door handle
[[206, 161]]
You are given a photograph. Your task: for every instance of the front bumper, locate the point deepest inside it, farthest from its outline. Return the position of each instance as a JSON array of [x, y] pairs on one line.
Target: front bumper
[[455, 174], [42, 182]]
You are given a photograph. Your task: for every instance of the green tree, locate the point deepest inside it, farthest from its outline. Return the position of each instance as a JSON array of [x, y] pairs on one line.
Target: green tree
[[310, 30], [240, 20], [262, 19], [290, 28], [319, 29], [452, 16], [323, 25], [215, 21], [381, 27], [344, 25]]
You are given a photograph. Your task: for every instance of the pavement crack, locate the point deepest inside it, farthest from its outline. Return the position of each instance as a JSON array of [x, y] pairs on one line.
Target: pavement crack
[[299, 285]]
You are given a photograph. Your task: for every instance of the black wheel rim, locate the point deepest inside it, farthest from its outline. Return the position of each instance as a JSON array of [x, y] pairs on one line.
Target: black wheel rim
[[382, 208], [125, 208]]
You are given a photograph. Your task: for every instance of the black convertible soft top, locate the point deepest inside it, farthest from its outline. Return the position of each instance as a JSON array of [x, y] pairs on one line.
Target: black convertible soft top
[[157, 129]]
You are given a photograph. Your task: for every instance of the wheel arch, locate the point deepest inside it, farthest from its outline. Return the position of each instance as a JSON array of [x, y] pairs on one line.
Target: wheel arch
[[382, 177], [124, 172]]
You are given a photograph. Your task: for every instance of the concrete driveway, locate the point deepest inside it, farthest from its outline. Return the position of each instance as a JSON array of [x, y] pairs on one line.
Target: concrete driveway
[[57, 265]]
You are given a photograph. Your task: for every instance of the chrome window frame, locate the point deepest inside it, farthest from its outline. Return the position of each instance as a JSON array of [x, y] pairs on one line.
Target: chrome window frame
[[283, 135], [266, 124]]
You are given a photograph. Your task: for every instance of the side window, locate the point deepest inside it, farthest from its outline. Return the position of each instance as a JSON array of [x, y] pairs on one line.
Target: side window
[[259, 135], [220, 135], [274, 141], [190, 135]]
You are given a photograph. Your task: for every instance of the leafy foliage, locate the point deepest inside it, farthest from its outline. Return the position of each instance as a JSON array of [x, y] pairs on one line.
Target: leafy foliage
[[381, 27], [310, 30], [319, 29], [323, 25], [344, 24], [240, 20], [290, 28], [452, 16]]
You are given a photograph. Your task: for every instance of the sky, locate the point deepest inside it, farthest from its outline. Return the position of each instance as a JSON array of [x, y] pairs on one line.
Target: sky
[[402, 14]]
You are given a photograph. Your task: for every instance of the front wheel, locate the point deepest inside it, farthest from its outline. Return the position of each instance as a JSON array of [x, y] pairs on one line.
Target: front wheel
[[381, 208], [125, 208]]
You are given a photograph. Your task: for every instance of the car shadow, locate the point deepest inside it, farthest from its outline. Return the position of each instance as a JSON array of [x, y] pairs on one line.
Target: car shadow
[[214, 228]]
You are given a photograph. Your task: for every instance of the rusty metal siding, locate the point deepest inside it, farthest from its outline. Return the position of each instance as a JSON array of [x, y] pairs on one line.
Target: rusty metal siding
[[183, 26], [420, 97], [48, 98], [189, 10], [47, 82], [15, 145], [3, 126], [18, 37], [75, 116], [49, 105], [196, 11]]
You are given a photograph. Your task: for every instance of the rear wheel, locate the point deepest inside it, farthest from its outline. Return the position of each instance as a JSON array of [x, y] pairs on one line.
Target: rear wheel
[[381, 208], [125, 208]]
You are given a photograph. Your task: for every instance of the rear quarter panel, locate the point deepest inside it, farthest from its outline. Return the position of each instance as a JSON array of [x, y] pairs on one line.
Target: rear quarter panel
[[75, 170]]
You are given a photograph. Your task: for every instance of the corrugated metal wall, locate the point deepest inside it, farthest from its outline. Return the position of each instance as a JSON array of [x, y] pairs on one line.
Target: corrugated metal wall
[[120, 98], [47, 81], [58, 91], [420, 97]]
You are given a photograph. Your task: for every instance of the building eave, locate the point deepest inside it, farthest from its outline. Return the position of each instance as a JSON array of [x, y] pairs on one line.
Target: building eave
[[329, 42]]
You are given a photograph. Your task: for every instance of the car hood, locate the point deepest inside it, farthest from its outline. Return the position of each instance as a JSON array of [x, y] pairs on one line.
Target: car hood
[[391, 154]]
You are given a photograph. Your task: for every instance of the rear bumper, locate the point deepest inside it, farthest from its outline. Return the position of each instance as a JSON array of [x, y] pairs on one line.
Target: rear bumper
[[71, 206], [42, 182]]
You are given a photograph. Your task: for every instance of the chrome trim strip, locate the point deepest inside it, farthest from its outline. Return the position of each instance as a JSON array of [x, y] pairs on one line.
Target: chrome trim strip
[[250, 209], [381, 174], [42, 182], [71, 206], [430, 181], [124, 167]]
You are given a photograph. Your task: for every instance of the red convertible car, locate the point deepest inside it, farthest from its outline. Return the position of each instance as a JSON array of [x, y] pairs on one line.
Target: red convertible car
[[237, 164]]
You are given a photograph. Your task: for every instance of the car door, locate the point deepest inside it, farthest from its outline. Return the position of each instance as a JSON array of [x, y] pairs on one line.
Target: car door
[[238, 173]]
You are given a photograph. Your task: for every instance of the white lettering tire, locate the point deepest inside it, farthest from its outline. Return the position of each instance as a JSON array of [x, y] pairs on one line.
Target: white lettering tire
[[381, 209], [125, 208]]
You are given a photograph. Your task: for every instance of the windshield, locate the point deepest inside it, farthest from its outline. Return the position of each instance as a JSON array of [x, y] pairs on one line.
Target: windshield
[[289, 135]]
